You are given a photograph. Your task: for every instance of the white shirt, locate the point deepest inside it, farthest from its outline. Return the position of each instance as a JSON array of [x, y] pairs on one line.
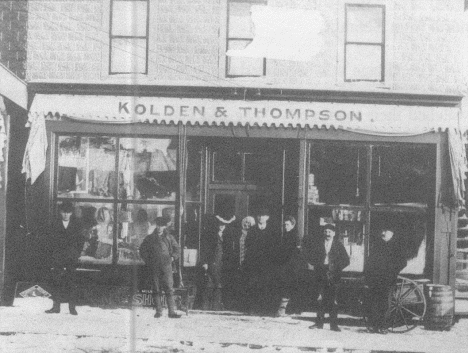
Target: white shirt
[[65, 224], [328, 244]]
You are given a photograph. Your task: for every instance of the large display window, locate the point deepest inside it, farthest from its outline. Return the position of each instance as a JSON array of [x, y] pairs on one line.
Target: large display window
[[363, 187], [118, 185]]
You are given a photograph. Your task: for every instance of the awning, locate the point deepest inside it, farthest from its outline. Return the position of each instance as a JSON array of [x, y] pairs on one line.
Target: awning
[[13, 87], [364, 118]]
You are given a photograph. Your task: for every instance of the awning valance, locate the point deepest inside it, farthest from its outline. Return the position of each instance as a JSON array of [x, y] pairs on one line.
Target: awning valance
[[376, 119]]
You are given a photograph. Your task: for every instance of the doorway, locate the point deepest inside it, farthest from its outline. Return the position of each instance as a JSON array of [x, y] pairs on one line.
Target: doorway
[[245, 176]]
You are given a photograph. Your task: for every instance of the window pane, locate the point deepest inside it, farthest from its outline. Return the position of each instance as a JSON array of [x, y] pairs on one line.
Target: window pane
[[243, 66], [192, 234], [364, 24], [135, 223], [86, 167], [129, 18], [403, 175], [193, 172], [128, 55], [148, 169], [337, 174], [240, 21], [98, 224], [227, 166], [363, 62]]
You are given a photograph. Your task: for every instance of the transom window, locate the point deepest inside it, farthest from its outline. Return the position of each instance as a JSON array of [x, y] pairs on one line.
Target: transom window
[[128, 37], [364, 43], [240, 34]]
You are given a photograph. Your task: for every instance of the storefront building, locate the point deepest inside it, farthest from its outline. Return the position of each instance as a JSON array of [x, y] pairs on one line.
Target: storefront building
[[125, 160], [151, 117]]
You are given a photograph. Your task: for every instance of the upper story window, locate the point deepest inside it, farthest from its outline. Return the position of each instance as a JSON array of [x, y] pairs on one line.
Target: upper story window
[[128, 39], [239, 35], [364, 43]]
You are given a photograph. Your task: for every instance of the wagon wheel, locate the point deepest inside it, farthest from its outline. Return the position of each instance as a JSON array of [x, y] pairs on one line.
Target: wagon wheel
[[407, 306]]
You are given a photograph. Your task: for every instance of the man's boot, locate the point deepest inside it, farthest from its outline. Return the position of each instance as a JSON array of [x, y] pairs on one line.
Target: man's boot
[[158, 305], [206, 298], [72, 308], [172, 307], [217, 300], [282, 308], [55, 308]]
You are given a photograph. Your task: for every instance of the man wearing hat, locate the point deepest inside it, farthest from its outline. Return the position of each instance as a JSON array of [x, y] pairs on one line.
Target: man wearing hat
[[65, 243], [218, 259], [159, 251], [262, 244], [327, 258], [386, 260]]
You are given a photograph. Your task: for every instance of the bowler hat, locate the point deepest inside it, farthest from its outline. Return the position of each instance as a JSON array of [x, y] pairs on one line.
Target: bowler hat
[[66, 206], [329, 226], [162, 221]]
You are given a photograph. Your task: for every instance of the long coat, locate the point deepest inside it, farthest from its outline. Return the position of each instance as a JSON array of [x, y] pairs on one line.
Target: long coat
[[338, 258], [220, 253], [65, 244], [160, 252], [261, 256], [289, 257], [386, 260]]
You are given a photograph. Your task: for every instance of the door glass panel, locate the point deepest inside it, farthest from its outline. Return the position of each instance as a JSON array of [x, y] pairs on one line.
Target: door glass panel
[[337, 174], [148, 169], [409, 231], [98, 224], [227, 165], [403, 175], [224, 204], [135, 222], [263, 169], [86, 167]]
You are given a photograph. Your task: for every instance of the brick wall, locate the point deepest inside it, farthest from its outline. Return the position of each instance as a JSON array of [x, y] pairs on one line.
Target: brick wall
[[13, 34], [68, 41]]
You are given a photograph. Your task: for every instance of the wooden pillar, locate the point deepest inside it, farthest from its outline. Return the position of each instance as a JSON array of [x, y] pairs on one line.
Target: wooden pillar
[[302, 197]]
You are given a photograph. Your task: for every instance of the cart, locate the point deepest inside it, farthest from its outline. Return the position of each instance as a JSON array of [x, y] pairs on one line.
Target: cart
[[407, 306]]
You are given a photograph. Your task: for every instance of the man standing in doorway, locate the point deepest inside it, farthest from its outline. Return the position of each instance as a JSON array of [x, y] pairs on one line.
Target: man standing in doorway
[[328, 258], [65, 243], [159, 251]]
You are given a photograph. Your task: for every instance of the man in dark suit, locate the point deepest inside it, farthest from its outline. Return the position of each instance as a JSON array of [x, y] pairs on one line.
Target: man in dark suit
[[386, 260], [327, 258], [65, 243]]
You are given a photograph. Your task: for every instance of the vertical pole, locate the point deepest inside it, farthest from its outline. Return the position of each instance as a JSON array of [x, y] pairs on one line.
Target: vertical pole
[[302, 197], [182, 166]]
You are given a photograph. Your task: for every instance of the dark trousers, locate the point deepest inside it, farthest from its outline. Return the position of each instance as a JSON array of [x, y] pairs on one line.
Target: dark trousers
[[377, 304], [63, 285], [327, 297], [162, 279]]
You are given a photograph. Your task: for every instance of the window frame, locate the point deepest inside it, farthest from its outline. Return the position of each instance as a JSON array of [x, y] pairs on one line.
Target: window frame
[[114, 200], [113, 37], [387, 63], [233, 39], [366, 44]]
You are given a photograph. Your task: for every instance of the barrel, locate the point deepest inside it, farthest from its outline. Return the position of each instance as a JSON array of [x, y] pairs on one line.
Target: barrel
[[440, 310]]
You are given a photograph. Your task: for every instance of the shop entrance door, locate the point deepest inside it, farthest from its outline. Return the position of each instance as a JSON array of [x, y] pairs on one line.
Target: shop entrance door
[[244, 177]]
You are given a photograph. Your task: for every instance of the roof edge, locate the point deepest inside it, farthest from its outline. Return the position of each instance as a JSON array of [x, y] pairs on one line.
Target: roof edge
[[13, 88], [251, 94]]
